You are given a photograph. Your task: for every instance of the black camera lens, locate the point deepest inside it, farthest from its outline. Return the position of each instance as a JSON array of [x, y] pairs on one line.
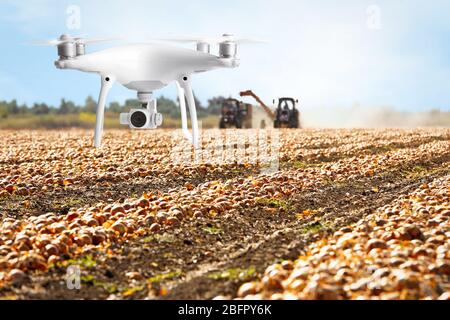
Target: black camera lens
[[138, 119]]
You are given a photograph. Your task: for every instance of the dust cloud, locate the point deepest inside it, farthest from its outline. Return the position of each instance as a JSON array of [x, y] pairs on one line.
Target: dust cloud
[[372, 117]]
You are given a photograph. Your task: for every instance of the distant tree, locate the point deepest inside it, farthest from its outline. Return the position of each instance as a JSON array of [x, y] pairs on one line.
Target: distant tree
[[215, 105], [115, 107], [3, 110], [90, 105], [169, 107], [40, 109], [23, 109], [13, 108], [67, 107], [198, 103]]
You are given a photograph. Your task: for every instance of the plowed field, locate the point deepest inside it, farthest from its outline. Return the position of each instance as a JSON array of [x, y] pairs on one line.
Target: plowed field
[[290, 214]]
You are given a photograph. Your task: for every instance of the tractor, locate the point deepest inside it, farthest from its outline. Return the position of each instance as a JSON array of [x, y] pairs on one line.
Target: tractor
[[286, 115], [235, 114]]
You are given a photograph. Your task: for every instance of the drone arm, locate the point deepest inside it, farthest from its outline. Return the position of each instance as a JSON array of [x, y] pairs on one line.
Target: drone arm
[[107, 83], [184, 87]]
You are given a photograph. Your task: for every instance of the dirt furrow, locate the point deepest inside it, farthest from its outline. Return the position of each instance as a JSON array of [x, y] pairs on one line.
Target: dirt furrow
[[88, 190], [343, 206], [209, 256]]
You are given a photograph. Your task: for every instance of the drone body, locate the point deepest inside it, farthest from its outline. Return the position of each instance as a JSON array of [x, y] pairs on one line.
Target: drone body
[[146, 68]]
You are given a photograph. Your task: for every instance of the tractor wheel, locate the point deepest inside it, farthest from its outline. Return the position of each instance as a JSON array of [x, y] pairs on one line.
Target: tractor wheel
[[222, 124], [293, 124], [248, 123], [276, 124]]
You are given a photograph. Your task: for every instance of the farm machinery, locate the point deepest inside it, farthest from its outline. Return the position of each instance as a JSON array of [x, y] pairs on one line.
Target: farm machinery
[[235, 113], [285, 116]]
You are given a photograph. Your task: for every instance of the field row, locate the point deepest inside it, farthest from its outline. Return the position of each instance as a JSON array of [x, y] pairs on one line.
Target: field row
[[72, 165], [402, 251], [37, 243], [33, 146]]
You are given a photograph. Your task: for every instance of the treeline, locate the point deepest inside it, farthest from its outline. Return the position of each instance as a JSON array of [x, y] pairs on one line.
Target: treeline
[[166, 106]]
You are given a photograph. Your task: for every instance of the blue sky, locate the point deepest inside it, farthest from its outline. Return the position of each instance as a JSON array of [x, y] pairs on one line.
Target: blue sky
[[328, 53]]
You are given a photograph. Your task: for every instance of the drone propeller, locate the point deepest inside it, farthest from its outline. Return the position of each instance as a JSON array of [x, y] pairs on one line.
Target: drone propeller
[[69, 39], [89, 41], [214, 40]]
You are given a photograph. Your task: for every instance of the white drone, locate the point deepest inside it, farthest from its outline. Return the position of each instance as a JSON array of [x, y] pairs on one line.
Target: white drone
[[146, 68]]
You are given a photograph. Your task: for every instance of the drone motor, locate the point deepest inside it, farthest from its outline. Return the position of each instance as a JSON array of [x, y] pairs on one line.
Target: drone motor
[[81, 48], [70, 48], [203, 47], [67, 50]]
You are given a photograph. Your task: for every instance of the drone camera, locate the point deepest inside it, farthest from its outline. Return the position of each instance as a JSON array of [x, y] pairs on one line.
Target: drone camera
[[141, 119]]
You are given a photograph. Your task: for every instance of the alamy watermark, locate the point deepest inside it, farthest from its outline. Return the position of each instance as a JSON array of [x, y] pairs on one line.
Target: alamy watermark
[[259, 147], [73, 21], [374, 18], [73, 277]]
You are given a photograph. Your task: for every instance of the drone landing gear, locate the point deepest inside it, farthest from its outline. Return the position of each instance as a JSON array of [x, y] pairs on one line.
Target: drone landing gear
[[185, 93], [107, 83]]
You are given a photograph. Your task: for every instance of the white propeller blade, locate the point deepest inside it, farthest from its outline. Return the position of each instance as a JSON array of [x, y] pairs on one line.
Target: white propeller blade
[[89, 41], [213, 40], [68, 39]]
